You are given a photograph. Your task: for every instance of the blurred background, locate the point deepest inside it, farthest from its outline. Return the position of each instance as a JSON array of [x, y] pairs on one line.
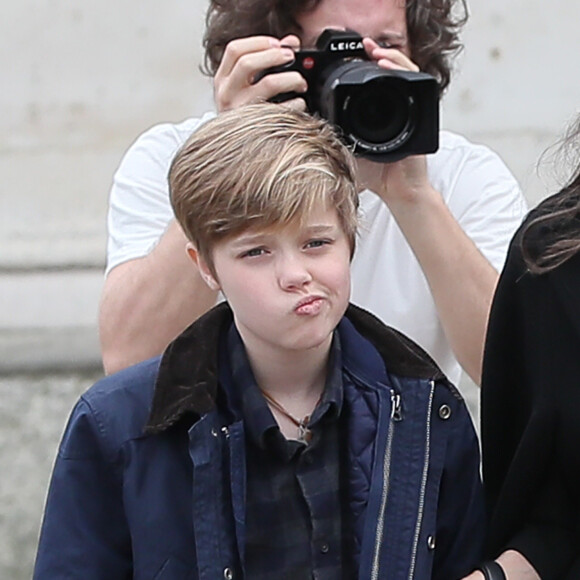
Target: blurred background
[[79, 82]]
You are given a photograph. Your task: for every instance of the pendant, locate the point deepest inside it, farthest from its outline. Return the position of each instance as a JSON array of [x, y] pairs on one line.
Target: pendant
[[304, 433]]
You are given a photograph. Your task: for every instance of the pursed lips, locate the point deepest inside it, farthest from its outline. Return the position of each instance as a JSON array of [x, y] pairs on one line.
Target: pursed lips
[[309, 304]]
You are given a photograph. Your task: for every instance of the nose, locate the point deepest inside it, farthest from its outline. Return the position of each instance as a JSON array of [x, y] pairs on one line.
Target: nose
[[292, 272]]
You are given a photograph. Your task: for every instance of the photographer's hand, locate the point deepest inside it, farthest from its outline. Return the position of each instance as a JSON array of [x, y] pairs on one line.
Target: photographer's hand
[[243, 59], [461, 279], [406, 180], [395, 57]]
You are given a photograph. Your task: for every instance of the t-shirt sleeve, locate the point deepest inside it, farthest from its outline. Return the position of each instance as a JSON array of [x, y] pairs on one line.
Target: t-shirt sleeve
[[484, 197], [139, 206]]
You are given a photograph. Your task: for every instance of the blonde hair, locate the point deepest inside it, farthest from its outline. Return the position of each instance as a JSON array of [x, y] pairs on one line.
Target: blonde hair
[[258, 166]]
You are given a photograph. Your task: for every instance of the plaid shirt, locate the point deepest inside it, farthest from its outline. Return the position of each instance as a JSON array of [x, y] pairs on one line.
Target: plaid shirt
[[294, 510]]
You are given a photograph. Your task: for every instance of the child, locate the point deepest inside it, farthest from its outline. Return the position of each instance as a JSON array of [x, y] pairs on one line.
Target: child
[[286, 433]]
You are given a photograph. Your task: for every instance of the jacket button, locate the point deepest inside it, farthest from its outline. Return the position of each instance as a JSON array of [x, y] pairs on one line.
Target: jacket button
[[228, 574], [431, 542], [214, 432], [444, 412]]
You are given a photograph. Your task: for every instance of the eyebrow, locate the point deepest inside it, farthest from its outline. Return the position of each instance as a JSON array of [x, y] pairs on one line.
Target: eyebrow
[[248, 240], [320, 228]]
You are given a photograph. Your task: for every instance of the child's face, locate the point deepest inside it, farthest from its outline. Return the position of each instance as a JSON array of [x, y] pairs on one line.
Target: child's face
[[288, 287]]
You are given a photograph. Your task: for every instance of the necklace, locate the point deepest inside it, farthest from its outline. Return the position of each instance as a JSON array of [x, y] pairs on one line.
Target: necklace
[[304, 433]]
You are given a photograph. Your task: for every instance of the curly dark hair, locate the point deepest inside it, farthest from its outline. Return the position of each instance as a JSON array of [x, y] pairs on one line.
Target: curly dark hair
[[433, 28], [551, 235]]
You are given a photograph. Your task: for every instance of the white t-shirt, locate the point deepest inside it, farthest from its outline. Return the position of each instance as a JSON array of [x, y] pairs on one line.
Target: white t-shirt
[[479, 190]]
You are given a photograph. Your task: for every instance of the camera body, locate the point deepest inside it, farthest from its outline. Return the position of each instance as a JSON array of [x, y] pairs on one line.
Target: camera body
[[383, 115]]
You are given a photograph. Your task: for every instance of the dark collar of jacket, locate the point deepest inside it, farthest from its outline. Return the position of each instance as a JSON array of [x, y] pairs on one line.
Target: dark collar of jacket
[[188, 378]]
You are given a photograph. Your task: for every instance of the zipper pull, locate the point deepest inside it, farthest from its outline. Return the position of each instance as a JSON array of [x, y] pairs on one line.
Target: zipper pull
[[396, 410]]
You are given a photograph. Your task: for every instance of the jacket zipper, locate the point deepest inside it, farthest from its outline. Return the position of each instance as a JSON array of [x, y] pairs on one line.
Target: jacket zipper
[[396, 415], [423, 484]]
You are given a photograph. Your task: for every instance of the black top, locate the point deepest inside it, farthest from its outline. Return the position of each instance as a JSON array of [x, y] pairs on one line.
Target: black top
[[530, 415]]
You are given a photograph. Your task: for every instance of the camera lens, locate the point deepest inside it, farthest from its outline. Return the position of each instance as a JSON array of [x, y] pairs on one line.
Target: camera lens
[[377, 112], [372, 106], [383, 115]]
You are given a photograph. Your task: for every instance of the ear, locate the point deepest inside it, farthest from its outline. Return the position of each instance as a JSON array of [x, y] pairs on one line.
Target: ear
[[204, 270]]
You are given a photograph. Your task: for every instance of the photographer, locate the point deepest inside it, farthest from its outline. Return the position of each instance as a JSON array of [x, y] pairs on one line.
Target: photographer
[[435, 228]]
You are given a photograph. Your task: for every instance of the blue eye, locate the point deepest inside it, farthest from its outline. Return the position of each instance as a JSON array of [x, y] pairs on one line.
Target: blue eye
[[317, 243], [254, 252]]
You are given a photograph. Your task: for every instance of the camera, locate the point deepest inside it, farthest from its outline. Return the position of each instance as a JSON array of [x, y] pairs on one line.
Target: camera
[[383, 115]]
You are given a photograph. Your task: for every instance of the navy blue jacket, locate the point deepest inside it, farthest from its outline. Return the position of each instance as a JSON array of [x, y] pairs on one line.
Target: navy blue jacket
[[149, 481]]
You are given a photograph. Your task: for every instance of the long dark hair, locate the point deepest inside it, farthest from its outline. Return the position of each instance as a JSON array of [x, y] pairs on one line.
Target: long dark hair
[[433, 27], [552, 234]]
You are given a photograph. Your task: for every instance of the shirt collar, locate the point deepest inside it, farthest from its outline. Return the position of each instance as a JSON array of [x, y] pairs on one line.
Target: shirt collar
[[186, 383], [245, 394]]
